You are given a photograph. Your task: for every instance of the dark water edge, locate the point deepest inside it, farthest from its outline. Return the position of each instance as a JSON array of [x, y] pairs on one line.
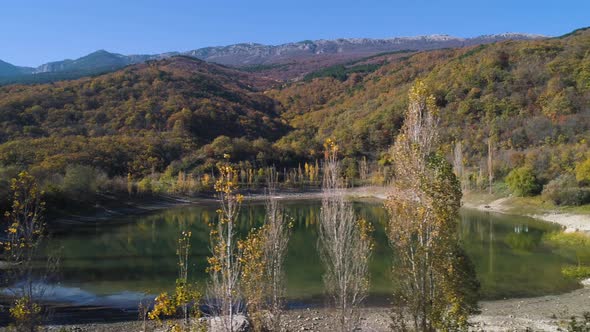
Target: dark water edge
[[68, 314], [105, 206]]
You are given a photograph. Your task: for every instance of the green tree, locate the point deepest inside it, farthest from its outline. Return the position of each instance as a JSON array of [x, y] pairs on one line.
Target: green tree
[[522, 181], [80, 181], [583, 171]]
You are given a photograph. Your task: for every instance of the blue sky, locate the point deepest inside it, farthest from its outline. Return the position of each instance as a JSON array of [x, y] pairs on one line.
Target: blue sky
[[35, 32]]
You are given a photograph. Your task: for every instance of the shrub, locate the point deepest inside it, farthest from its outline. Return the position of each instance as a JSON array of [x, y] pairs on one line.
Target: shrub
[[80, 181], [583, 171], [565, 191], [523, 181], [576, 271]]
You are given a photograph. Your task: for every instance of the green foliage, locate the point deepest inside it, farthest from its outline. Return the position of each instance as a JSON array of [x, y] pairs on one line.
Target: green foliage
[[575, 239], [80, 180], [576, 271], [137, 120], [523, 182], [182, 115], [342, 72], [258, 68], [6, 174], [577, 243], [583, 171], [531, 94]]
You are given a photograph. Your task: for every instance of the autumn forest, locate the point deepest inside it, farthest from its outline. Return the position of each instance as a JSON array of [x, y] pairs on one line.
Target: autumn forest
[[424, 131]]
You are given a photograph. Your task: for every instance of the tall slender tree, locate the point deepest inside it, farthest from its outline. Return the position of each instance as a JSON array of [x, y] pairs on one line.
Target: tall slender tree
[[225, 263], [263, 256], [277, 233], [490, 163], [458, 162], [345, 245], [423, 207]]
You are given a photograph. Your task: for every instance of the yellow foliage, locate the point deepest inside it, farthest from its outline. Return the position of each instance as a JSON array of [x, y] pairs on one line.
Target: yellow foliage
[[163, 306], [253, 272], [25, 312]]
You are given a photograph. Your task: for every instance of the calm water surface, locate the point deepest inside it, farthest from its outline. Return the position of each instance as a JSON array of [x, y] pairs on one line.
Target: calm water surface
[[118, 262]]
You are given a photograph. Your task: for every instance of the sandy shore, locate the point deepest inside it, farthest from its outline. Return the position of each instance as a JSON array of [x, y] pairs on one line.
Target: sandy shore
[[570, 222]]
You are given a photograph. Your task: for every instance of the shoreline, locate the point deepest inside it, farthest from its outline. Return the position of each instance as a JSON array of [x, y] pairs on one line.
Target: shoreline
[[545, 313], [570, 222]]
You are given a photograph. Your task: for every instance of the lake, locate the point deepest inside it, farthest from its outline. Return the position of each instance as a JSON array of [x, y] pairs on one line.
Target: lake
[[116, 263]]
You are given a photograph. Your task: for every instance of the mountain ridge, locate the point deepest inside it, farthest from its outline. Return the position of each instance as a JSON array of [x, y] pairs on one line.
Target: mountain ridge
[[249, 54]]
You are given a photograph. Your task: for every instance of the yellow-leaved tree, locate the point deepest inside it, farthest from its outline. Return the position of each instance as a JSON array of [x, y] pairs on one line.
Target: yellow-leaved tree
[[225, 261], [434, 278], [263, 254], [24, 234]]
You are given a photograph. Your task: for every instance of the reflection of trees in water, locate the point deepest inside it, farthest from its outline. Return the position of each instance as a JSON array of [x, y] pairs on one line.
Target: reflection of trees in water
[[488, 229], [138, 253], [522, 241], [510, 256]]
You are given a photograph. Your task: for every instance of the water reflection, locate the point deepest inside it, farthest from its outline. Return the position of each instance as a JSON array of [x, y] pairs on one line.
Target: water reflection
[[137, 254], [510, 256]]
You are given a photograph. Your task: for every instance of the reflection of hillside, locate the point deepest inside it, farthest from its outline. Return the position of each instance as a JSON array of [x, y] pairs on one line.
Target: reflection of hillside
[[138, 253], [509, 256]]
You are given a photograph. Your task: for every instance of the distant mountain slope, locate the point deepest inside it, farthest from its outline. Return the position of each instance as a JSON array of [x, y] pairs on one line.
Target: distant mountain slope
[[95, 63], [257, 54], [284, 62], [99, 60], [8, 70]]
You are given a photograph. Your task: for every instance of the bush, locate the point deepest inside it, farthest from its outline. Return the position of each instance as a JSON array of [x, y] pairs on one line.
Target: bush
[[576, 271], [523, 182], [565, 191], [583, 172], [576, 196], [80, 181]]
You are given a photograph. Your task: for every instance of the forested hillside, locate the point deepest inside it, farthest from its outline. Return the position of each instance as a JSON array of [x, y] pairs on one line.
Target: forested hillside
[[166, 123], [179, 102], [531, 97]]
